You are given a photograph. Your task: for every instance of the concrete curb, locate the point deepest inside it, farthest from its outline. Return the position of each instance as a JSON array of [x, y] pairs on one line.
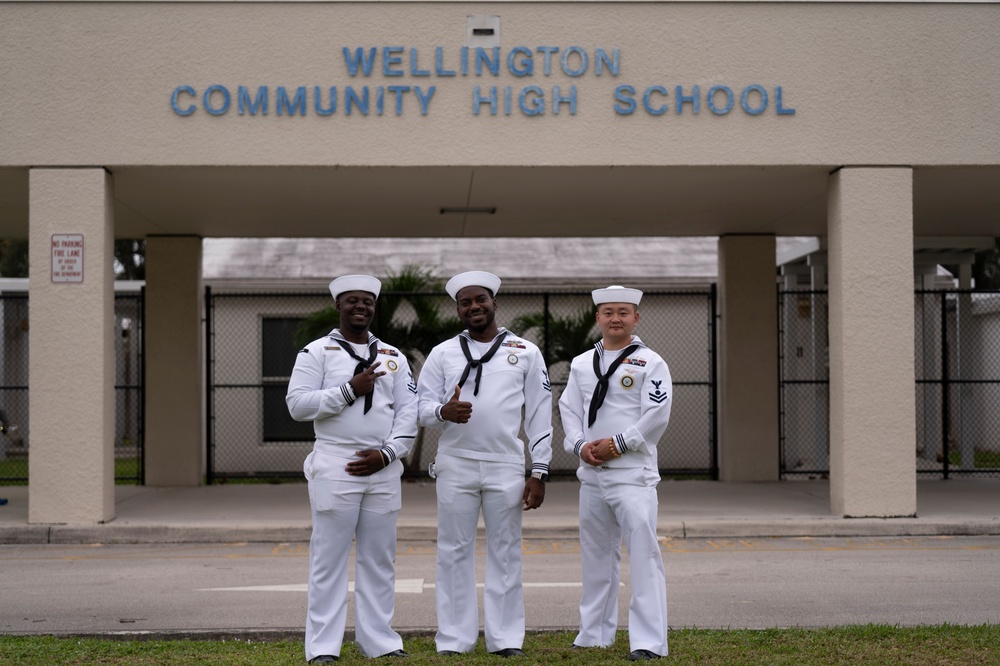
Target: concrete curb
[[701, 529]]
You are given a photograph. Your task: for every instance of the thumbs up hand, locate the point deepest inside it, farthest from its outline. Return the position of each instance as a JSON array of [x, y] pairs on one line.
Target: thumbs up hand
[[456, 410]]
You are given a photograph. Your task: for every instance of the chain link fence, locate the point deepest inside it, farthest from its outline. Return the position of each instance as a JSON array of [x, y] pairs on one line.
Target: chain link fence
[[957, 368], [958, 383], [129, 394], [253, 339], [804, 396], [129, 388], [14, 390]]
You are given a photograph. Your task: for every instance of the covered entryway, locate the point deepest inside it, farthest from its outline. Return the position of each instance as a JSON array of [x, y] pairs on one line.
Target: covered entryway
[[146, 120]]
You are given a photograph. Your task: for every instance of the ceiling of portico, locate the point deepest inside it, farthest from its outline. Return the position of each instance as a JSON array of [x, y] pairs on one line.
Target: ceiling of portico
[[528, 201]]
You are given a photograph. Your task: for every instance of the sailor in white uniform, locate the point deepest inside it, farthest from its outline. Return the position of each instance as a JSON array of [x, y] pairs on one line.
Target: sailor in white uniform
[[361, 397], [615, 408], [474, 386]]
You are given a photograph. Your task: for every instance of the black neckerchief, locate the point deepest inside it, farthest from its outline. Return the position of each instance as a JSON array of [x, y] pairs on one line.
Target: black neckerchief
[[363, 365], [477, 363], [601, 390]]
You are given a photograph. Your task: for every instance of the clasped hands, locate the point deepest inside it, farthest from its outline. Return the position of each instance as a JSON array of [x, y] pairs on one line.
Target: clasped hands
[[599, 451]]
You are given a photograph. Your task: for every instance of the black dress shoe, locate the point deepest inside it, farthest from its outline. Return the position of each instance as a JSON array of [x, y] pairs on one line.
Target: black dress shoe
[[448, 653], [643, 655], [574, 646], [324, 659], [509, 652], [395, 653]]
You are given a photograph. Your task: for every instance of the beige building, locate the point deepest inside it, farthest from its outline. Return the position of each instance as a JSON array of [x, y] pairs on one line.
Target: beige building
[[865, 123]]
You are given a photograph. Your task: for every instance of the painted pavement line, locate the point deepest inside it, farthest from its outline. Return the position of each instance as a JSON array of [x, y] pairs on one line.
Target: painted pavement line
[[403, 586]]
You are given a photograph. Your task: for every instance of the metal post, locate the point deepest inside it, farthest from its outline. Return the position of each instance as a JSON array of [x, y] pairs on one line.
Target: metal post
[[142, 386], [545, 329], [713, 316], [945, 388], [209, 395]]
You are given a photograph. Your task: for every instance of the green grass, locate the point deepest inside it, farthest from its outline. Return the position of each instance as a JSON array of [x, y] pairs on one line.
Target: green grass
[[874, 645], [14, 472], [982, 459]]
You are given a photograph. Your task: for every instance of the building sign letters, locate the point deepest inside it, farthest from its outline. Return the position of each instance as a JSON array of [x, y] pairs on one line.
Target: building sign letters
[[419, 73]]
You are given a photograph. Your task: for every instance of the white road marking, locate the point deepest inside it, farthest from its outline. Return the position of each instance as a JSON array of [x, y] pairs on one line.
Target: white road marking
[[403, 586]]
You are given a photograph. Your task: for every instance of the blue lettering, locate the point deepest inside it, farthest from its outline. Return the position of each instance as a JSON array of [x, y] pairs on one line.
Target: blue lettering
[[414, 70], [291, 106], [626, 104], [781, 110], [439, 63], [682, 99], [584, 61], [425, 100], [506, 100], [390, 58], [465, 61], [660, 110], [491, 60], [570, 99], [745, 102], [259, 103], [207, 100], [187, 90], [399, 91], [379, 100], [547, 61], [478, 100], [711, 100], [527, 65], [360, 58], [535, 105], [352, 100], [318, 101], [601, 58]]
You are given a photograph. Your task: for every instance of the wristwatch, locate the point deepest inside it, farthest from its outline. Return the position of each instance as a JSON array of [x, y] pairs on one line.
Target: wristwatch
[[541, 476]]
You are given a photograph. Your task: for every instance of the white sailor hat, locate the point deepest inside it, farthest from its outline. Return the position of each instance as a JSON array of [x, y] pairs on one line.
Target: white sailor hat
[[472, 279], [347, 283], [616, 294]]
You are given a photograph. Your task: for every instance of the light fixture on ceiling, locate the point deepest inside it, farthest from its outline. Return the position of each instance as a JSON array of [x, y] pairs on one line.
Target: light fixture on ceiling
[[463, 210]]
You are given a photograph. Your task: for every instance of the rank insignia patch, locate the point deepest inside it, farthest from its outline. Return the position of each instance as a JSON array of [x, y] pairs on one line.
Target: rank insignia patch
[[658, 395], [303, 351]]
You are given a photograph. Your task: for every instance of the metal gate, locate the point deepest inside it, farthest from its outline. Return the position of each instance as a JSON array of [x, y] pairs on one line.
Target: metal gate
[[251, 348], [129, 389], [957, 392]]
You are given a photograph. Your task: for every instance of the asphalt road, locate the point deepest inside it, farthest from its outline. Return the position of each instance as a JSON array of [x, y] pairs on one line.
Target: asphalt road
[[260, 588]]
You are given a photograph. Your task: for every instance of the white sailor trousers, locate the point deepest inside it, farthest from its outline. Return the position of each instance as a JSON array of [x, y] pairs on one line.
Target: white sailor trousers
[[464, 487], [366, 508], [616, 504]]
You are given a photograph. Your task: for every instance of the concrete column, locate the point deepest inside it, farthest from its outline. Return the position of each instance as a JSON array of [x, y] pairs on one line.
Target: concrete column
[[71, 337], [748, 359], [175, 424], [872, 412]]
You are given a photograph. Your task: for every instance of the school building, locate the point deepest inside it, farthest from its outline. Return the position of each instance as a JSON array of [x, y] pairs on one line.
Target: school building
[[867, 124]]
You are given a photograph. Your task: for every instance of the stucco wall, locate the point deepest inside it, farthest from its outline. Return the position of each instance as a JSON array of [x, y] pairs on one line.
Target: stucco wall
[[91, 83]]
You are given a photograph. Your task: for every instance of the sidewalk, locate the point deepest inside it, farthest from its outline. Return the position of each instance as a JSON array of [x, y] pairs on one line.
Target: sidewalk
[[688, 509]]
